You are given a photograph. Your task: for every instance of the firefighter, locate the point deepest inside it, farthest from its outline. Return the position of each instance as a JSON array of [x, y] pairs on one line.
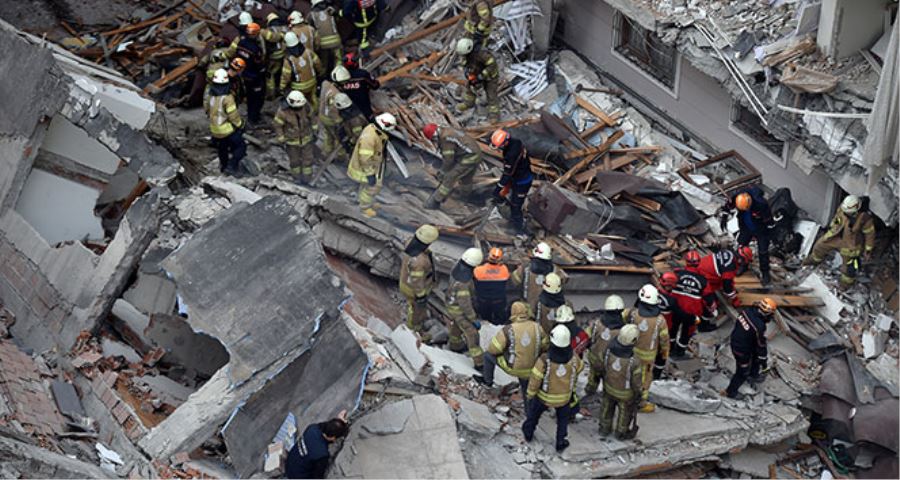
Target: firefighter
[[564, 315], [549, 300], [329, 116], [417, 278], [755, 221], [720, 270], [273, 36], [529, 276], [251, 48], [480, 70], [295, 129], [352, 123], [464, 324], [234, 69], [552, 385], [679, 323], [689, 306], [516, 180], [363, 14], [358, 84], [367, 162], [328, 41], [653, 340], [478, 22], [305, 32], [621, 385], [491, 278], [602, 331], [299, 70], [461, 156], [852, 233], [515, 348], [225, 124], [748, 345]]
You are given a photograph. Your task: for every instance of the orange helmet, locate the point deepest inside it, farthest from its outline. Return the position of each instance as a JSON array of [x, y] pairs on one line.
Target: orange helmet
[[766, 306], [692, 258], [429, 130], [238, 64], [499, 138], [495, 255], [253, 28], [743, 201], [668, 280], [745, 253]]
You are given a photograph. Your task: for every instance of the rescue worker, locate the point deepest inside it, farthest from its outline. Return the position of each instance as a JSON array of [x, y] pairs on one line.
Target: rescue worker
[[679, 323], [689, 306], [305, 32], [329, 116], [225, 124], [352, 123], [478, 22], [530, 275], [358, 85], [328, 40], [621, 385], [602, 331], [549, 300], [273, 36], [464, 324], [294, 128], [749, 347], [309, 456], [217, 58], [515, 348], [299, 70], [481, 71], [234, 69], [516, 179], [755, 221], [367, 162], [251, 48], [363, 14], [417, 278], [653, 339], [852, 233], [461, 156], [580, 340], [720, 270], [490, 288], [552, 385]]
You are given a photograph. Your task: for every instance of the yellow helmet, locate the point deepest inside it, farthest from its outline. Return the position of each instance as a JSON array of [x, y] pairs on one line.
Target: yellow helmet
[[427, 234]]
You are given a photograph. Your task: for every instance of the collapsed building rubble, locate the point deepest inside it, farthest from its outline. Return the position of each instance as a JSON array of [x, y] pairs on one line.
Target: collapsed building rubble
[[186, 324]]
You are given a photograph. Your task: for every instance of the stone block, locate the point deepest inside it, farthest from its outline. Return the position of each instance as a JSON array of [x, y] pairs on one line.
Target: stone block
[[476, 417], [683, 396], [407, 344]]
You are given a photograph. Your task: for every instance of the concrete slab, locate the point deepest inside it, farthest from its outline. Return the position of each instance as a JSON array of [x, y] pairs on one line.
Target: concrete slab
[[72, 214], [65, 139], [66, 398], [133, 320], [683, 396], [235, 192], [183, 346], [113, 348], [152, 294], [751, 461], [391, 419], [476, 417], [833, 305], [492, 460], [408, 346], [427, 447], [165, 389]]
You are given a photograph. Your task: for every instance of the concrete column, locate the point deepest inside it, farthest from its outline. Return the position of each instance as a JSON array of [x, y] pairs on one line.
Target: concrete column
[[848, 26], [543, 26]]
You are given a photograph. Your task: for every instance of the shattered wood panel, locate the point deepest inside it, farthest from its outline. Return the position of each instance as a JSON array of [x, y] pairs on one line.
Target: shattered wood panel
[[256, 279], [314, 387]]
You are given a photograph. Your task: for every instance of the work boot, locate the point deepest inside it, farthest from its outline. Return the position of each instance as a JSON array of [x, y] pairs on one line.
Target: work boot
[[629, 434], [756, 380], [604, 432], [766, 279], [300, 180], [478, 378], [647, 407], [562, 446], [432, 204]]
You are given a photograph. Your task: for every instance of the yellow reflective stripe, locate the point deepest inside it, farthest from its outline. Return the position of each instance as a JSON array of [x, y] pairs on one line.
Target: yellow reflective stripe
[[279, 121], [537, 373], [496, 344], [554, 398], [448, 152], [463, 293], [645, 355], [617, 392], [417, 273], [869, 230], [366, 151], [230, 108]]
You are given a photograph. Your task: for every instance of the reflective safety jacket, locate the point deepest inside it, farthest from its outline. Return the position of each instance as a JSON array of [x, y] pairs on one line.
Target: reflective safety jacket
[[518, 345], [719, 269], [417, 275], [329, 115], [458, 148], [368, 155], [223, 114], [490, 281], [653, 336], [602, 331], [554, 383], [479, 19], [352, 124], [300, 71], [855, 233], [482, 65], [294, 126], [459, 300], [307, 36], [273, 35], [532, 283], [327, 37], [623, 378]]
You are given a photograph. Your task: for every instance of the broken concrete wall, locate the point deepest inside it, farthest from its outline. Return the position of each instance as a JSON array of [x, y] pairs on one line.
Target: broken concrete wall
[[19, 459], [846, 27]]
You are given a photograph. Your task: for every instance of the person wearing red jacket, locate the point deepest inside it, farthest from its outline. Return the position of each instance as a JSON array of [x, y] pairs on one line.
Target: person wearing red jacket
[[675, 317], [687, 309], [720, 270]]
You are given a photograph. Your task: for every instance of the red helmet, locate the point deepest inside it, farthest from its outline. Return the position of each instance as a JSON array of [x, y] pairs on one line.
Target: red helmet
[[692, 258], [745, 253], [429, 130], [499, 138], [668, 280], [351, 60]]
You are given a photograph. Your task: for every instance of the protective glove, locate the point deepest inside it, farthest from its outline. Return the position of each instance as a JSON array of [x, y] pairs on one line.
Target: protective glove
[[472, 79], [371, 180], [477, 325]]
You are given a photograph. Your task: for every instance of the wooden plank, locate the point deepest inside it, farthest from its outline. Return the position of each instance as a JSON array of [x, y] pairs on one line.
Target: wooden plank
[[144, 24], [481, 130], [173, 75], [647, 149], [587, 160], [585, 135], [642, 202], [487, 236], [590, 107], [433, 57], [613, 165], [748, 298], [431, 78], [608, 268]]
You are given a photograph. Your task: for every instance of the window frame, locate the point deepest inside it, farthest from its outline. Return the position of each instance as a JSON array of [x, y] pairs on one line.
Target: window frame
[[620, 51], [735, 126]]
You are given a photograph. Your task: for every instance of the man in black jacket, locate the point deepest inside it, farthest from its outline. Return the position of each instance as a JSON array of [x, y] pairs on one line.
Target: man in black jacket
[[309, 457], [748, 345], [516, 180], [755, 221]]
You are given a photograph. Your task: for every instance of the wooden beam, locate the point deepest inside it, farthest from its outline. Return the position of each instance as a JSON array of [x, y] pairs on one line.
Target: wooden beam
[[485, 129], [587, 160], [782, 300], [432, 78], [642, 202], [433, 57], [590, 107], [143, 25], [173, 75], [646, 149]]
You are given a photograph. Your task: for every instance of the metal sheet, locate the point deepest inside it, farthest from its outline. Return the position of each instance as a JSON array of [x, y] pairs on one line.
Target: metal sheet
[[872, 423]]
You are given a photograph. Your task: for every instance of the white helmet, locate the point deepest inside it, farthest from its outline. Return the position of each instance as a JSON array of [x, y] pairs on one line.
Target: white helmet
[[295, 18], [614, 302], [560, 336], [220, 76], [296, 99], [850, 205], [342, 101], [291, 39], [427, 234], [245, 19], [313, 3], [552, 283], [386, 122], [542, 251], [464, 46], [340, 74], [473, 257], [649, 295], [628, 335], [564, 314]]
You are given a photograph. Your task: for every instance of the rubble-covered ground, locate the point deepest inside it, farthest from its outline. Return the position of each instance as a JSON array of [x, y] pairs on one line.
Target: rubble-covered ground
[[257, 307]]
